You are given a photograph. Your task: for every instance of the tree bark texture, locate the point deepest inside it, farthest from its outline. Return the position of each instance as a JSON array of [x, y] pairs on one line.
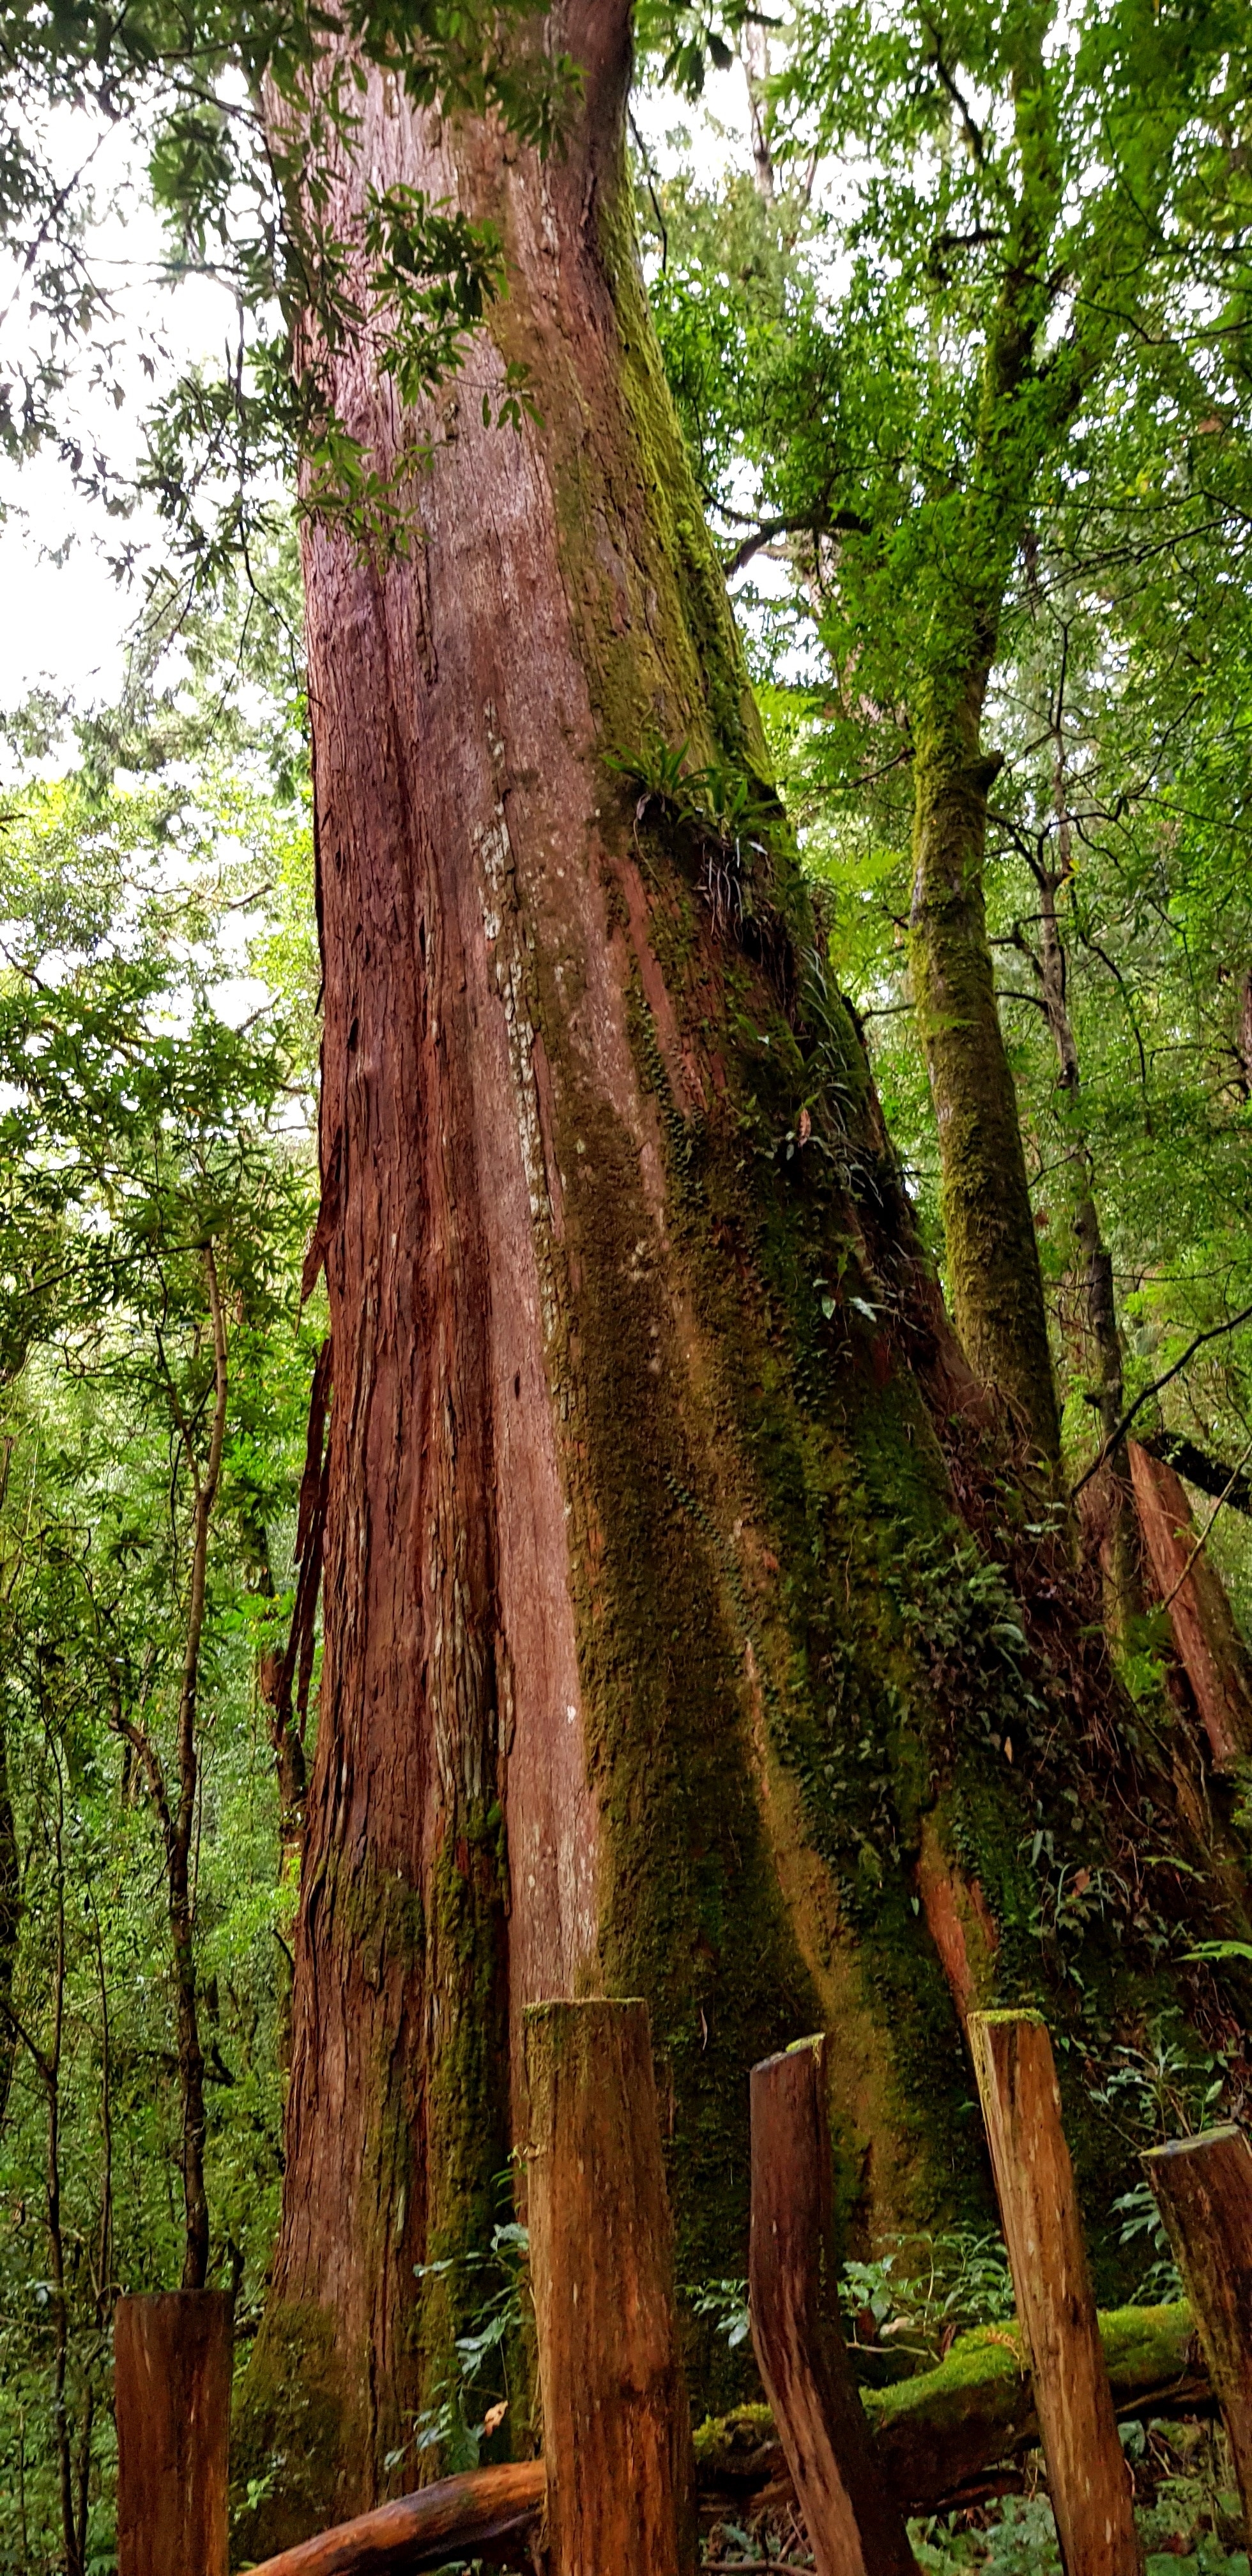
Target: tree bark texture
[[853, 2521], [1088, 2479], [616, 2419], [636, 1363], [172, 2376], [1207, 1642], [1204, 2189]]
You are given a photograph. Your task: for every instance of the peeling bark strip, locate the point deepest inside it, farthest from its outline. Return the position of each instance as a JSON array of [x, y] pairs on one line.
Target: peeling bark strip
[[172, 2359], [616, 2425], [1208, 1643], [631, 1341], [854, 2525], [1204, 2190], [1088, 2479]]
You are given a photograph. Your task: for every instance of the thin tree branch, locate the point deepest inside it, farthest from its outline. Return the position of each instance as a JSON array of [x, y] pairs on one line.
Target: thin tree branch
[[1118, 1434], [841, 523]]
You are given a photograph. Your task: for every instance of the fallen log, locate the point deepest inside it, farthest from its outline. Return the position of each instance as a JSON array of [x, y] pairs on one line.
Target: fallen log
[[482, 2511], [946, 2428], [931, 2436]]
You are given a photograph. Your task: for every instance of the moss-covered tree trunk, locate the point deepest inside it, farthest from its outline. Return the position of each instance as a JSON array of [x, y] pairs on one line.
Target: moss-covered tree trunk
[[992, 1256], [989, 1232], [655, 1660], [1114, 1518]]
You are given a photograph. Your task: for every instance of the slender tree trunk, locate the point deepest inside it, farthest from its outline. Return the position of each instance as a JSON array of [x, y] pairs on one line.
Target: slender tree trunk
[[10, 1924], [992, 1254], [176, 1813], [48, 2067], [632, 1461], [1123, 1591], [181, 1894], [989, 1231]]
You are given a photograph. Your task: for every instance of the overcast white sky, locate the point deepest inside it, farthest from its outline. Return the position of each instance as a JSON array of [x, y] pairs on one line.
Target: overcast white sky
[[63, 624]]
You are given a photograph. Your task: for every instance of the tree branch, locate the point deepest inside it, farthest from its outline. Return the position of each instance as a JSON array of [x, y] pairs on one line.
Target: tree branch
[[1118, 1434], [841, 523], [1212, 1475]]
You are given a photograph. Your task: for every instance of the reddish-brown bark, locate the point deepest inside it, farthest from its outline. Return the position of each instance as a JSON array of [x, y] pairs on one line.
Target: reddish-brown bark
[[172, 2358], [634, 1355], [1206, 1640], [616, 2425], [539, 1523]]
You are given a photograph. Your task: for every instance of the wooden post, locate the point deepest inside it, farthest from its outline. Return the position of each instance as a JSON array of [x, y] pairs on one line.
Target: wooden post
[[1203, 2189], [616, 2425], [1088, 2478], [854, 2525], [172, 2367]]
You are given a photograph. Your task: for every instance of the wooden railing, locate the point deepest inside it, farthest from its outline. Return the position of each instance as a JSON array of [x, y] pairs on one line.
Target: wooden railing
[[615, 2493]]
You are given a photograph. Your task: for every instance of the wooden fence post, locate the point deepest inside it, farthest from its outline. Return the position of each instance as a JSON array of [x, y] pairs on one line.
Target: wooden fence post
[[1203, 2188], [616, 2423], [854, 2525], [172, 2369], [1088, 2477]]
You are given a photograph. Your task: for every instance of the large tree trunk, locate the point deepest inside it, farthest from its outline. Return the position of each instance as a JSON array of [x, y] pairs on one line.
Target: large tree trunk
[[644, 1646]]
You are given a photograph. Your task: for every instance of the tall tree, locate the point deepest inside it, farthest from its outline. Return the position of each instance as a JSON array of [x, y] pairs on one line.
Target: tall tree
[[635, 1355], [1017, 215], [657, 1658]]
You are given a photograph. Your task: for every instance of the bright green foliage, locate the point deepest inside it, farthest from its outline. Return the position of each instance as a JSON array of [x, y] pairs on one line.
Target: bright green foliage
[[978, 378], [833, 348], [137, 1127], [240, 116]]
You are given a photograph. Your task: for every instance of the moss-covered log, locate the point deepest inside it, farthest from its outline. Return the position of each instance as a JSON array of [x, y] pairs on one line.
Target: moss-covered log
[[947, 2427]]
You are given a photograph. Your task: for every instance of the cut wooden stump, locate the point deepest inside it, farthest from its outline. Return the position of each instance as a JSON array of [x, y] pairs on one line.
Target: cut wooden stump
[[1203, 2189], [854, 2525], [479, 2512], [616, 2424], [1088, 2477], [172, 2368]]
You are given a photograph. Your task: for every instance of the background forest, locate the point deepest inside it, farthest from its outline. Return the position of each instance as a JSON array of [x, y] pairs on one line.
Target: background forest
[[968, 406]]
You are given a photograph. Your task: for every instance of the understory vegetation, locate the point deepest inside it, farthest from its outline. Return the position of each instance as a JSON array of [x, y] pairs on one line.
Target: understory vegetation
[[955, 309]]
